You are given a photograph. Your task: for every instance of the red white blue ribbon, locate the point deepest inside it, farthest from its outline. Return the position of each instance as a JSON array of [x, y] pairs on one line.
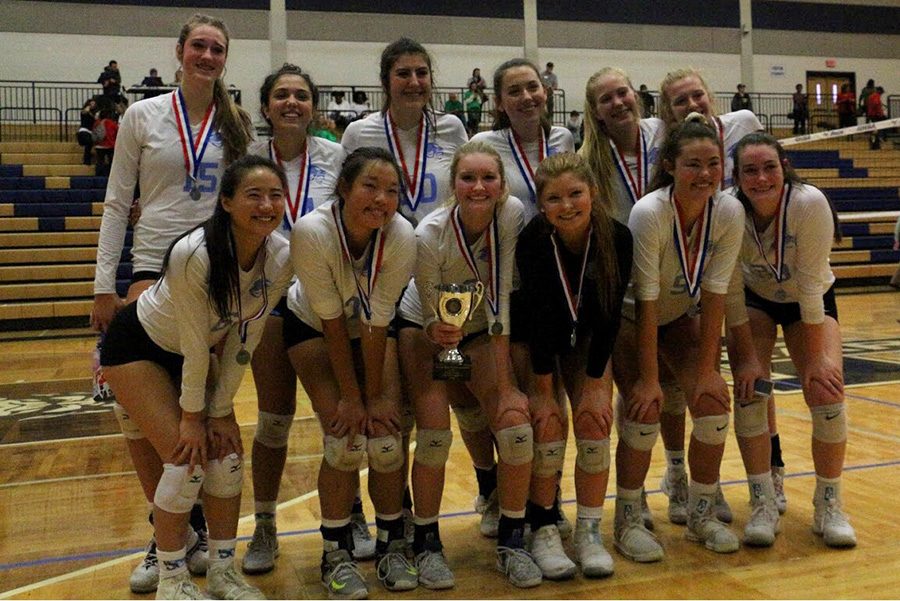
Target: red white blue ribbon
[[491, 241], [780, 236], [373, 263], [245, 323], [635, 184], [299, 201], [692, 259], [522, 162], [573, 297], [192, 149], [414, 184]]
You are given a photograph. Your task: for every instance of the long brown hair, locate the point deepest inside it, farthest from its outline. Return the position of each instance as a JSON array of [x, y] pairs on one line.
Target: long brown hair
[[694, 127], [501, 119]]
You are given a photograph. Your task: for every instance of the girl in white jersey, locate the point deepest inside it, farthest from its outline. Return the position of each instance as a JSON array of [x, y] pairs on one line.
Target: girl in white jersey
[[783, 278], [473, 238], [421, 141], [353, 257], [522, 133], [176, 146], [686, 239], [287, 100], [217, 282], [681, 92]]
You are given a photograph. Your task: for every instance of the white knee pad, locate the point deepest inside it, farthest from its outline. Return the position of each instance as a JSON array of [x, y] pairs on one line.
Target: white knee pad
[[751, 418], [638, 436], [272, 429], [515, 445], [593, 455], [385, 454], [128, 427], [342, 458], [177, 489], [549, 458], [674, 400], [711, 429], [471, 419], [829, 423], [433, 447], [224, 478]]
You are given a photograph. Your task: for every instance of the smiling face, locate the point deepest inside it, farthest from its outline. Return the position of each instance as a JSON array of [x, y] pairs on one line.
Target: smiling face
[[371, 199], [522, 97], [257, 206], [760, 177], [478, 183], [203, 54], [566, 203], [688, 95], [290, 106], [409, 83], [613, 101], [697, 169]]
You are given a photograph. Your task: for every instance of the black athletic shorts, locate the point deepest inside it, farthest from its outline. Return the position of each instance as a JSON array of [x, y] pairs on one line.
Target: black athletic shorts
[[140, 276], [467, 339], [127, 341], [785, 314], [295, 330]]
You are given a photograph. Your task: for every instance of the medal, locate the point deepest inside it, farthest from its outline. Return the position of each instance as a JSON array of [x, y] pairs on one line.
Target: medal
[[780, 294], [692, 259], [693, 310], [780, 237], [522, 161], [373, 264], [195, 192], [193, 150], [492, 241], [497, 328], [412, 186], [573, 338], [573, 300], [243, 356]]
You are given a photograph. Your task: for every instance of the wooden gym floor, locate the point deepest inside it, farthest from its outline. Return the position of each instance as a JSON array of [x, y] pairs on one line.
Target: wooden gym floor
[[72, 517]]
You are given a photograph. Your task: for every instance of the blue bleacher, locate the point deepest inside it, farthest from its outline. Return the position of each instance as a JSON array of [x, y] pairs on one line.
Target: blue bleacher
[[47, 209], [86, 182], [51, 196], [22, 183], [818, 159], [10, 170], [885, 256], [873, 242]]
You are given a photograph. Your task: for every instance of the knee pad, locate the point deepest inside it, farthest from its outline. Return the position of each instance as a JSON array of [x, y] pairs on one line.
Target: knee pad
[[515, 445], [341, 457], [674, 400], [224, 478], [128, 427], [751, 418], [711, 429], [549, 458], [471, 419], [272, 429], [638, 436], [593, 455], [385, 454], [433, 447], [829, 423], [177, 489]]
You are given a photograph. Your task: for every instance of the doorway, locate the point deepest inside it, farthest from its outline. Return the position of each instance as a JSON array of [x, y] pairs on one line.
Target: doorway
[[822, 88]]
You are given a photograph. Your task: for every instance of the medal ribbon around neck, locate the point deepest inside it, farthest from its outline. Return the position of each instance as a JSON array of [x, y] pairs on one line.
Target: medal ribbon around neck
[[492, 241], [245, 323], [573, 300], [634, 185], [522, 162], [780, 236], [692, 259], [299, 201], [193, 150], [373, 263], [412, 186]]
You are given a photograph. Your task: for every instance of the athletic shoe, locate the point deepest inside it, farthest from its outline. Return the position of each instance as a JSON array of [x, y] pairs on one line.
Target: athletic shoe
[[363, 543], [519, 567], [179, 586], [145, 576], [764, 523], [490, 514], [722, 508], [676, 488], [631, 537], [778, 480], [394, 569], [341, 577], [548, 554], [646, 514], [595, 560], [832, 524], [262, 549], [197, 555], [705, 528], [434, 573], [224, 582]]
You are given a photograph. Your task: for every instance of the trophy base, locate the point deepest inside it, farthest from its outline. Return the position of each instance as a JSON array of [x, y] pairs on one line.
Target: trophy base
[[452, 372]]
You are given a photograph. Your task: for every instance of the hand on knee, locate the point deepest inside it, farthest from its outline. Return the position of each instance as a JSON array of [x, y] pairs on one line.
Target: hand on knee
[[593, 422]]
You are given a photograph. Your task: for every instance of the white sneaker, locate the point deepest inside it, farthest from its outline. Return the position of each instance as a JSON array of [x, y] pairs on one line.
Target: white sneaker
[[224, 582], [262, 549], [363, 543], [631, 537], [434, 572], [490, 515], [832, 524], [145, 576], [197, 554], [519, 567], [394, 570], [764, 523], [722, 508], [548, 554], [778, 480], [676, 488], [179, 586], [704, 527], [595, 560], [341, 577]]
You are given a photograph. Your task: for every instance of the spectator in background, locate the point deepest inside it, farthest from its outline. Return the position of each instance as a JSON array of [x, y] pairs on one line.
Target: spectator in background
[[104, 135], [474, 99], [111, 82], [863, 97], [800, 111], [575, 125], [478, 80], [360, 105], [153, 80], [177, 80], [548, 77], [453, 106], [85, 134], [874, 113], [338, 110], [648, 108], [846, 106], [741, 99]]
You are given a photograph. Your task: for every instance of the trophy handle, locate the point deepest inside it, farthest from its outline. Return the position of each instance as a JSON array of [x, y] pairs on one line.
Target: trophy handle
[[477, 295]]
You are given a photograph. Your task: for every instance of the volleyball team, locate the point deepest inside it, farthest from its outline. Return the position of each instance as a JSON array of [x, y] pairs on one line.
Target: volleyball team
[[312, 260]]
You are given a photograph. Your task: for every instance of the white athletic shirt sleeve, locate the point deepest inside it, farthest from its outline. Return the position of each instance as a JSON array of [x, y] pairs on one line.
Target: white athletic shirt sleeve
[[736, 125]]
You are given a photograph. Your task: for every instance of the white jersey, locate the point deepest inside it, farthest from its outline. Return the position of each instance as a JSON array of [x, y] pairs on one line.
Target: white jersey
[[802, 247], [178, 316], [658, 274], [440, 260], [329, 286], [432, 185], [627, 187], [731, 127], [519, 172], [325, 161], [148, 149]]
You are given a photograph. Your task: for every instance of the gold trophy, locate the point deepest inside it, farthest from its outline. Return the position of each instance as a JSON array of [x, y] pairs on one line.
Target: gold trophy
[[456, 303]]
